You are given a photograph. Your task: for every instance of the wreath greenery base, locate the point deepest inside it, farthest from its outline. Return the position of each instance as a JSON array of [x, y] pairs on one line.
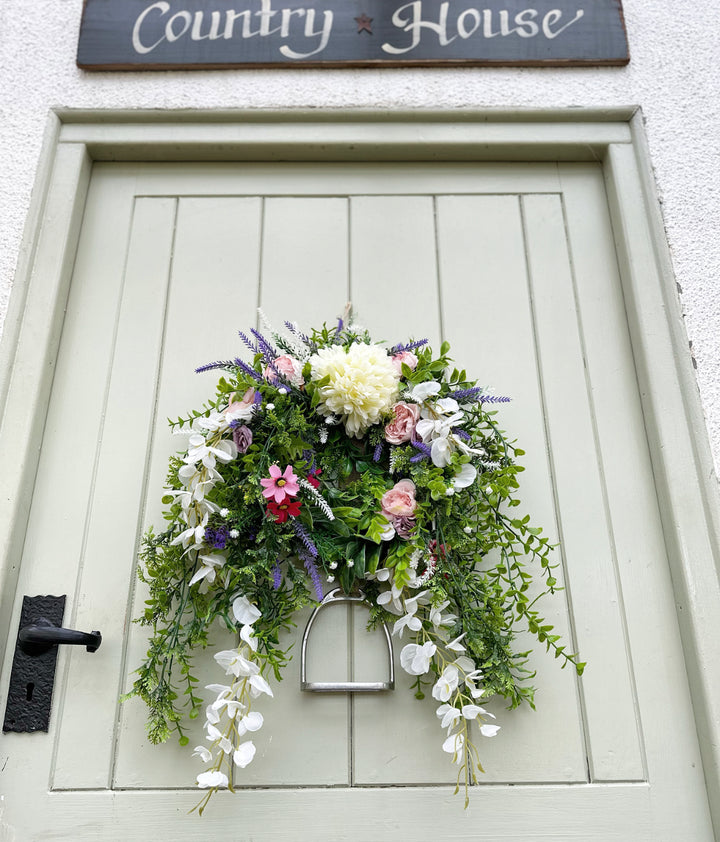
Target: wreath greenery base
[[328, 459]]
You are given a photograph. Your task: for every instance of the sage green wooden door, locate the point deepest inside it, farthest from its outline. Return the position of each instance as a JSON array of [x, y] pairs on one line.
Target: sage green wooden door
[[515, 265]]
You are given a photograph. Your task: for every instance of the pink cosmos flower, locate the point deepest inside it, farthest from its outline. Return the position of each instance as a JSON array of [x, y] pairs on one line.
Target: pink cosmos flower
[[402, 427], [280, 484], [400, 500]]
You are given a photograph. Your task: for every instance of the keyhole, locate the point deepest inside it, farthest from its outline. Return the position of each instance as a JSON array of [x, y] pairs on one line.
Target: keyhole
[[29, 691]]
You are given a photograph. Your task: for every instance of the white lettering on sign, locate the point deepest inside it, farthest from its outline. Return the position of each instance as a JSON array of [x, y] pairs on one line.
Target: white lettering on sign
[[183, 22], [409, 18]]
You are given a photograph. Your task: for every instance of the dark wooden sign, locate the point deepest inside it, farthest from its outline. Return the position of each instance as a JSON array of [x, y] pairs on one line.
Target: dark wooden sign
[[204, 34]]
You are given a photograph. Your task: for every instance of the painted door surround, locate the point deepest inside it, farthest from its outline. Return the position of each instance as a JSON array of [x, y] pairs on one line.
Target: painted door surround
[[680, 457]]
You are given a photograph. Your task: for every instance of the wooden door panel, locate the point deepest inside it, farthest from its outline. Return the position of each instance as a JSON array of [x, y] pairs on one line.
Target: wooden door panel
[[515, 266]]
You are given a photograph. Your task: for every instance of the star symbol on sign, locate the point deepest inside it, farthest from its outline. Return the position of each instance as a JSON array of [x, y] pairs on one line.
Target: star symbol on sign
[[364, 22]]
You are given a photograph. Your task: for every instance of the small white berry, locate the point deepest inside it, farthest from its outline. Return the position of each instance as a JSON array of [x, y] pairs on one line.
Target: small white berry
[[467, 530], [449, 491], [282, 391], [351, 563], [333, 565], [331, 578], [224, 512], [234, 533], [270, 406]]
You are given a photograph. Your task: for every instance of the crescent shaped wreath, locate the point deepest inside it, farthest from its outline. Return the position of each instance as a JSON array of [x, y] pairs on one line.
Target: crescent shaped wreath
[[329, 458]]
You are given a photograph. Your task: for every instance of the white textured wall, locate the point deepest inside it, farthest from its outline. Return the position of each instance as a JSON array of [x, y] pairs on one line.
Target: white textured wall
[[673, 75]]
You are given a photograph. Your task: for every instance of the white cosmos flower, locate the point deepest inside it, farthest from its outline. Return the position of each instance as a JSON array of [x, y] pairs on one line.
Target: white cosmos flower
[[448, 715], [447, 684], [415, 659], [205, 780], [244, 611], [244, 754]]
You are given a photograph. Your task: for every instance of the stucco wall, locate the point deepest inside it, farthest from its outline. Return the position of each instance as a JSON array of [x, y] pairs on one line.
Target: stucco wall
[[674, 75]]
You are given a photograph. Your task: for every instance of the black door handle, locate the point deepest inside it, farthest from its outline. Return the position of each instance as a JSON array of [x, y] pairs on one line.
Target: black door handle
[[39, 637]]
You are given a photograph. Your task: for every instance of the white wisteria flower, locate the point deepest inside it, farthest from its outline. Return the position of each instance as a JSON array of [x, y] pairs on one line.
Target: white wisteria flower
[[454, 745], [447, 684], [244, 611], [205, 780], [448, 715], [244, 754], [415, 659], [362, 387], [203, 753], [234, 663]]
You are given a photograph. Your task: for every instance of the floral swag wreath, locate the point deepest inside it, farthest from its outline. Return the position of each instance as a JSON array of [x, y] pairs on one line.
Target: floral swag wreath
[[328, 459]]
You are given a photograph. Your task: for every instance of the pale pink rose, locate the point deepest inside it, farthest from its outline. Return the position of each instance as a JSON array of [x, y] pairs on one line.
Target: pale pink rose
[[241, 410], [288, 367], [406, 357], [402, 426], [400, 500]]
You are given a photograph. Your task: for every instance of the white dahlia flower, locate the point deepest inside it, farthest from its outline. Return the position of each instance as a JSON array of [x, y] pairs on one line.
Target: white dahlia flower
[[363, 384]]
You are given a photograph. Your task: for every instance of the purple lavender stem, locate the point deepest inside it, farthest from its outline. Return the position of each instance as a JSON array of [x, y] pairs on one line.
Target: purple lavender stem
[[246, 339], [422, 447], [291, 327], [398, 349], [464, 435], [277, 575], [312, 570], [462, 394], [494, 399], [267, 349], [219, 364], [378, 452], [248, 369], [305, 538]]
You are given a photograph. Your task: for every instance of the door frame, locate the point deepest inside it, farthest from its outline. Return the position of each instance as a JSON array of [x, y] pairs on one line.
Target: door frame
[[679, 446]]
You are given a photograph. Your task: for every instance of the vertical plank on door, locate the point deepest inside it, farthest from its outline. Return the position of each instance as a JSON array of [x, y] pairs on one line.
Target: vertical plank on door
[[304, 260], [303, 278], [488, 321], [395, 294], [213, 287], [587, 541], [393, 266], [119, 474]]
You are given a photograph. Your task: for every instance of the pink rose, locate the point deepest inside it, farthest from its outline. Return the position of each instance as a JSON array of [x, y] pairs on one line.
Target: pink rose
[[400, 500], [241, 410], [406, 357], [288, 367], [402, 427]]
